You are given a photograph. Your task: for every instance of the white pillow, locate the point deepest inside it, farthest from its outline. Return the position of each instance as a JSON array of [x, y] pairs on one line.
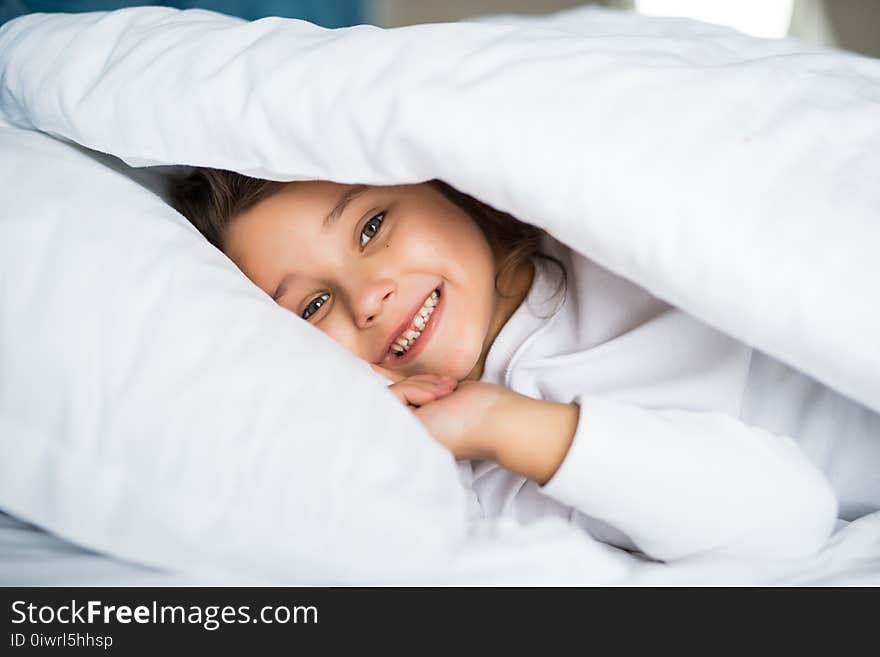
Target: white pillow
[[157, 406], [732, 176]]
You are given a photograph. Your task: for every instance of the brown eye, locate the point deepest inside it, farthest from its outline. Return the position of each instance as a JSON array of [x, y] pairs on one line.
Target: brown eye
[[316, 303], [371, 228]]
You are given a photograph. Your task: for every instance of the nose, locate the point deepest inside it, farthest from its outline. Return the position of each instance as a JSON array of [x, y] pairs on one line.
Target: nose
[[371, 300]]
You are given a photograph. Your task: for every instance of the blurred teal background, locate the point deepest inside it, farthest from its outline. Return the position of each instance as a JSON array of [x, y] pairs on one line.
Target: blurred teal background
[[329, 13], [847, 24]]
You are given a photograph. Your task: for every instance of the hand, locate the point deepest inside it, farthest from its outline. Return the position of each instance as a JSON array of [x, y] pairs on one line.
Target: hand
[[391, 375], [530, 437], [420, 389], [465, 420]]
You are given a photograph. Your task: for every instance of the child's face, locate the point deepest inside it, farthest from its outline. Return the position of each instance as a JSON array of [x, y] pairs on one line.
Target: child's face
[[362, 278]]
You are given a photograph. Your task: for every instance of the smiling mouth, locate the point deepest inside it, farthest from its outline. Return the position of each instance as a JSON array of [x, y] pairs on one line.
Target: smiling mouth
[[405, 341]]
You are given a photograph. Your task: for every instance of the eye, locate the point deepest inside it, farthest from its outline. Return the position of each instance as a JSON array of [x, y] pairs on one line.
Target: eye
[[314, 305], [371, 228]]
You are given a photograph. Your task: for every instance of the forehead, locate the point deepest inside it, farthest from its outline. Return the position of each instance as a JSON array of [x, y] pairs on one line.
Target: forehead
[[303, 205], [284, 227], [304, 201]]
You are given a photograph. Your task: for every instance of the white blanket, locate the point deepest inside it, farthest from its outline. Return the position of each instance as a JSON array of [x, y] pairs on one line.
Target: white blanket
[[500, 555], [734, 177]]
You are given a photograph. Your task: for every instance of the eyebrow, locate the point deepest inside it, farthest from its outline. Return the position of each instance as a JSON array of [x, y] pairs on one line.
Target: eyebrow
[[347, 197], [332, 217]]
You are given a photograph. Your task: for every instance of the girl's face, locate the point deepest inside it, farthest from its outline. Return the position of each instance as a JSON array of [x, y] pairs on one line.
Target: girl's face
[[363, 265]]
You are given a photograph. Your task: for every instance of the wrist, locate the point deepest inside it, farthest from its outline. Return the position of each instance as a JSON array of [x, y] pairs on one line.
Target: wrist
[[534, 436], [501, 432]]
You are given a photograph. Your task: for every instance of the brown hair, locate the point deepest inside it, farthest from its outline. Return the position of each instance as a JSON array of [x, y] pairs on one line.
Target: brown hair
[[211, 198]]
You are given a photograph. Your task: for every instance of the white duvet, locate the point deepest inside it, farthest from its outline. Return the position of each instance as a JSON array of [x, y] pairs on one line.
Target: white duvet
[[736, 178]]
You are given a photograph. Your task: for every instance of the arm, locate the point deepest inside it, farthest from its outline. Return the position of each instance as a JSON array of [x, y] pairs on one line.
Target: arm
[[532, 437], [677, 482]]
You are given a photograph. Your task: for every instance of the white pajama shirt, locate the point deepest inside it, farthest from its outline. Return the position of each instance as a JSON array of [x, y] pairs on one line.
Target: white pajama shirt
[[688, 441]]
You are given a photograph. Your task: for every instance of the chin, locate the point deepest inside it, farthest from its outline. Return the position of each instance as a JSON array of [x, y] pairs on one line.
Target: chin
[[458, 362], [463, 371]]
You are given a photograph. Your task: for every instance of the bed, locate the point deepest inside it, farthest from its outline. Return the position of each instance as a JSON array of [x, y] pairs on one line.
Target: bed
[[33, 557], [150, 430]]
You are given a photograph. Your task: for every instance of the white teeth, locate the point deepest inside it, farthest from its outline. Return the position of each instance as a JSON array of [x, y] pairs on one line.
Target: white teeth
[[402, 344]]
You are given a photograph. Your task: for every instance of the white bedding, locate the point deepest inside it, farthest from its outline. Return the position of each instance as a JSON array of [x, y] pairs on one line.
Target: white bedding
[[31, 557], [667, 151], [733, 177]]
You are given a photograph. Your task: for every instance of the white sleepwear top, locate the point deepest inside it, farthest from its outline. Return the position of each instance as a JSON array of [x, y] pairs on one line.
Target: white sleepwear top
[[687, 440]]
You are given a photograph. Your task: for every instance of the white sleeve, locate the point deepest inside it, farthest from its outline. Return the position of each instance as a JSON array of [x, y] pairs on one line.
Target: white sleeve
[[683, 482]]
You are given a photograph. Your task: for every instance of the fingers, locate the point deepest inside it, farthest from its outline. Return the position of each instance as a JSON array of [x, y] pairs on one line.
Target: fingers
[[433, 379], [423, 388], [391, 375]]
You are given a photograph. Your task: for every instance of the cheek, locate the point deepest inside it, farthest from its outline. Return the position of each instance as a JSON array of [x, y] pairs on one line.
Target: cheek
[[452, 243], [338, 332], [346, 336]]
